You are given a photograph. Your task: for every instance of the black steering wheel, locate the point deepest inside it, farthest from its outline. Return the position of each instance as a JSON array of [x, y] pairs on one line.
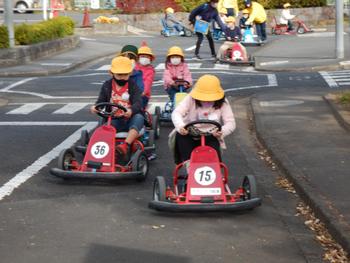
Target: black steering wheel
[[181, 82], [107, 109], [195, 131]]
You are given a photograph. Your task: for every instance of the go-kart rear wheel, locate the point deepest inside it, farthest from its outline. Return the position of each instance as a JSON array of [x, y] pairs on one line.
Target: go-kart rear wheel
[[249, 187], [188, 33], [65, 159], [140, 164], [159, 189], [151, 138], [157, 112], [84, 138], [301, 30], [156, 126]]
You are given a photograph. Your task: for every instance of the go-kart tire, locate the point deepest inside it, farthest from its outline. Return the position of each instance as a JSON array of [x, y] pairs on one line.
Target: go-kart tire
[[301, 30], [249, 187], [65, 158], [151, 138], [278, 31], [273, 31], [156, 126], [84, 138], [188, 33], [159, 189], [157, 112], [140, 164]]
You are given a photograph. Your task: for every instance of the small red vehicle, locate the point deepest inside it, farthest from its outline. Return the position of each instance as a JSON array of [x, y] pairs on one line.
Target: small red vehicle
[[281, 29], [237, 55], [100, 159], [206, 183]]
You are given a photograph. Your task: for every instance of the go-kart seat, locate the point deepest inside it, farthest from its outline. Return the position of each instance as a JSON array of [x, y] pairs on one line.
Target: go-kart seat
[[122, 135]]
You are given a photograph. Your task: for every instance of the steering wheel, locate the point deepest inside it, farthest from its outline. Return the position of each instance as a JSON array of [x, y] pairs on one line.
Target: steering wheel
[[181, 82], [106, 109], [195, 131]]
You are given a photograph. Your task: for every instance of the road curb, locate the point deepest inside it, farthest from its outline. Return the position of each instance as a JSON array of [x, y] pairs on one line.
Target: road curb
[[332, 67], [322, 207], [71, 67], [339, 115]]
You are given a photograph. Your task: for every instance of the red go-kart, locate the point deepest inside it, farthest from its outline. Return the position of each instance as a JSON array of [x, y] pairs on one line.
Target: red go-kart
[[206, 187], [100, 158], [282, 29], [237, 55]]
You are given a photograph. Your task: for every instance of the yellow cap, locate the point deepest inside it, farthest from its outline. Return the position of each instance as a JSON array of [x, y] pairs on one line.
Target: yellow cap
[[230, 19], [223, 11], [145, 50], [175, 51], [169, 10], [245, 11], [286, 5], [207, 88], [121, 65]]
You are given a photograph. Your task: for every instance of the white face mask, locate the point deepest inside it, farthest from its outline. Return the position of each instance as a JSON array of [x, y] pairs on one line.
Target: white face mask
[[144, 61], [175, 61]]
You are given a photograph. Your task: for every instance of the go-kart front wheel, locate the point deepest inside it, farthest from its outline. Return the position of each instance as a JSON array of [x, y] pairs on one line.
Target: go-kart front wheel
[[301, 30], [84, 138], [249, 187], [156, 126], [159, 189], [188, 33], [140, 165], [65, 159]]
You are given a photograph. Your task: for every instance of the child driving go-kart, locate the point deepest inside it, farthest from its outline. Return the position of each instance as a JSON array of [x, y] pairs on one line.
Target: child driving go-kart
[[122, 91], [206, 101]]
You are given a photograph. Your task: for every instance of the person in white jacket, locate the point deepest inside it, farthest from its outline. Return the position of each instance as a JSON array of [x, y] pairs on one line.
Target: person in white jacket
[[286, 17]]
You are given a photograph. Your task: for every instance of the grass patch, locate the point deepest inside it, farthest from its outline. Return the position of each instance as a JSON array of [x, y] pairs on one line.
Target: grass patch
[[344, 98]]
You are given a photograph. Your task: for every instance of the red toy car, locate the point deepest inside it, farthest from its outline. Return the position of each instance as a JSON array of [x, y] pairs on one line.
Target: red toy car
[[100, 158], [206, 187], [237, 55], [281, 29]]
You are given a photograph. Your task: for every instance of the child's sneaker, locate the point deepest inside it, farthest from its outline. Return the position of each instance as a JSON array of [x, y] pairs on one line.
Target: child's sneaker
[[123, 151]]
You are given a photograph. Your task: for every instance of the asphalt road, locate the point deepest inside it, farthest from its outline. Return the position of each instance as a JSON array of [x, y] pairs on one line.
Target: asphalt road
[[45, 219]]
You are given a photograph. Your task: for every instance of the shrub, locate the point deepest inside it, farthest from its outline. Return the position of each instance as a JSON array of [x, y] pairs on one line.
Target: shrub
[[4, 37], [43, 31], [188, 5], [345, 98]]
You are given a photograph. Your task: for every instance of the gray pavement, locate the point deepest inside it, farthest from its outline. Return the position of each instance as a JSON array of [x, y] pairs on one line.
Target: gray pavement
[[300, 131]]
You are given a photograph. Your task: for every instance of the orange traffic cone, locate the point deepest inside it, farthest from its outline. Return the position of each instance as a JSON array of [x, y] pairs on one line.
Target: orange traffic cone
[[144, 43], [86, 19]]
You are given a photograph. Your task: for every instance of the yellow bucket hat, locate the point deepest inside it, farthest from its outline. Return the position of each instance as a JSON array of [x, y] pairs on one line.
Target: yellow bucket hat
[[286, 5], [207, 88], [230, 19], [145, 50], [223, 11], [121, 65], [169, 10], [175, 50], [245, 11]]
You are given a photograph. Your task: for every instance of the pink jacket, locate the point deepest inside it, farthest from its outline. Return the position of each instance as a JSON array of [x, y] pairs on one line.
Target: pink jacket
[[148, 73], [187, 112], [173, 72]]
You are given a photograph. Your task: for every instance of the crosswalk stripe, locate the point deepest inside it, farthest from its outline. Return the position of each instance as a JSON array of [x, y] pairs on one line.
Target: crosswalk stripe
[[344, 83], [160, 66], [194, 65], [222, 66], [152, 106], [104, 68], [71, 108], [330, 81], [27, 108]]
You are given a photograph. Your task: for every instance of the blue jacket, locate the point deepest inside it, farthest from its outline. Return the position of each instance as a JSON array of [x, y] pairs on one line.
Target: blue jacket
[[233, 33], [136, 76], [208, 13]]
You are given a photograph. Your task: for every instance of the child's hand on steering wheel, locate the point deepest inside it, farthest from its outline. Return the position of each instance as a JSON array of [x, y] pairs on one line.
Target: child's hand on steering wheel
[[93, 109], [183, 131], [217, 134]]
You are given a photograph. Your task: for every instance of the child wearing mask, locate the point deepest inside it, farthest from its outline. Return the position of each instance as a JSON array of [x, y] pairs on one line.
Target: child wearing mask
[[145, 58], [175, 69]]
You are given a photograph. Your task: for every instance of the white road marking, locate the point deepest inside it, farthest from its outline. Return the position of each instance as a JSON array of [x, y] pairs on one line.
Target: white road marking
[[191, 48], [18, 83], [221, 66], [152, 106], [71, 108], [319, 34], [27, 108], [40, 163], [55, 64], [344, 83], [280, 103], [87, 39], [274, 62], [42, 123], [160, 66], [272, 82], [104, 68], [194, 65], [330, 81], [344, 63]]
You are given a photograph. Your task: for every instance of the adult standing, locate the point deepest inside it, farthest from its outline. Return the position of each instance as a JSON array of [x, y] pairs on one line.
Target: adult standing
[[257, 15], [230, 5], [207, 12]]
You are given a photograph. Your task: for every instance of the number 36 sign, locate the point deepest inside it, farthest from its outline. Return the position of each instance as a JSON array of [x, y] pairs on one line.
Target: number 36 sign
[[205, 175], [99, 150]]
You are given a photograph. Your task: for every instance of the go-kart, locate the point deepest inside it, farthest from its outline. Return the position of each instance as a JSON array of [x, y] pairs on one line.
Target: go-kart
[[282, 29], [171, 31], [165, 115], [100, 158], [206, 183], [248, 38], [237, 55]]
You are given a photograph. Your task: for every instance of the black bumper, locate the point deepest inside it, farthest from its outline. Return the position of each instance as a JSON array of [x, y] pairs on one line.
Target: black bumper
[[232, 62], [94, 175], [212, 207], [252, 44]]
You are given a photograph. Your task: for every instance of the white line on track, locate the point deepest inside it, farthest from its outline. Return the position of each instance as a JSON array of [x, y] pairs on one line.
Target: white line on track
[[40, 163], [71, 108], [27, 108], [190, 48], [274, 62], [330, 81], [18, 83], [55, 64]]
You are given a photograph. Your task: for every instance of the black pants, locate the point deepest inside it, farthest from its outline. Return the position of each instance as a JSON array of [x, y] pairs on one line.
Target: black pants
[[186, 143], [290, 25], [200, 37], [261, 31]]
